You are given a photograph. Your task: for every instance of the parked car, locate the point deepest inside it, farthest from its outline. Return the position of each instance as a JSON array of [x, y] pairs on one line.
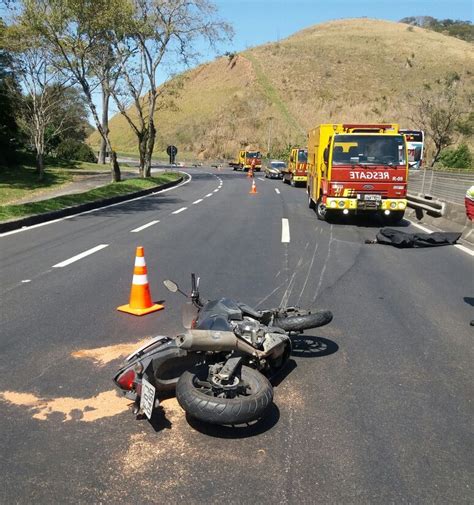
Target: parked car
[[273, 169]]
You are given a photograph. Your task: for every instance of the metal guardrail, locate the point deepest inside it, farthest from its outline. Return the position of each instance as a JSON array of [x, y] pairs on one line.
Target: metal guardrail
[[435, 208], [447, 186]]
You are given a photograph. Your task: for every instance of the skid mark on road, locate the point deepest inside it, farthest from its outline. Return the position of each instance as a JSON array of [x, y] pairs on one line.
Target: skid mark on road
[[103, 355], [105, 404]]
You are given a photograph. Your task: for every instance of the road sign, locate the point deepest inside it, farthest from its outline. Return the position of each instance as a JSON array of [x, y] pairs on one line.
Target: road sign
[[172, 150]]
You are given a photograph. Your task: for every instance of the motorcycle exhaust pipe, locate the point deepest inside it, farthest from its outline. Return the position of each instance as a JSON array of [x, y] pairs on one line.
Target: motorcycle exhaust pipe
[[209, 340]]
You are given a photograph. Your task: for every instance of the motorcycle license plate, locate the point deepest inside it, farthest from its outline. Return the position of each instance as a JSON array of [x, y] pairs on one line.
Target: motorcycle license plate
[[147, 399]]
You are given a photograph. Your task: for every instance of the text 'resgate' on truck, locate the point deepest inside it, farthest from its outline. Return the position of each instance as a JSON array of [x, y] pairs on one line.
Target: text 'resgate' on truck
[[296, 172], [355, 169]]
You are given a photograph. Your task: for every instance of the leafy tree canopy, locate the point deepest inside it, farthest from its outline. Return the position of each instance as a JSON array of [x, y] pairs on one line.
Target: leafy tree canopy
[[454, 27]]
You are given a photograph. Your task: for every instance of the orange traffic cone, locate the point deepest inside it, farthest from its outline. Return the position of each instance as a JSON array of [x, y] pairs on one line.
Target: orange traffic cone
[[253, 191], [140, 296]]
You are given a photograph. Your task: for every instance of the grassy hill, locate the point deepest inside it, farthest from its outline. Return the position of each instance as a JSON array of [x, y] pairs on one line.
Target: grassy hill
[[356, 70]]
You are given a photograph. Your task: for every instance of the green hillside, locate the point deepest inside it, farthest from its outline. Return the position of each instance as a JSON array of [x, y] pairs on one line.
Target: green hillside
[[356, 70]]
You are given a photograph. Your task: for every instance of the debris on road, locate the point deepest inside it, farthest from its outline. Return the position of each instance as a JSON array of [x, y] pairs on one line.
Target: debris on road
[[401, 239]]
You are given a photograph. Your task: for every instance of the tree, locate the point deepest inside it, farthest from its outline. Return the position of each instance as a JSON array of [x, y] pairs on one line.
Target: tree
[[159, 30], [71, 114], [439, 110], [10, 100], [76, 31], [44, 86]]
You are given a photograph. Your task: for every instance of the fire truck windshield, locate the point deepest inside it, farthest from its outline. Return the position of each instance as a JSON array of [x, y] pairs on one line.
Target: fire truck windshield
[[253, 154], [368, 150], [302, 156]]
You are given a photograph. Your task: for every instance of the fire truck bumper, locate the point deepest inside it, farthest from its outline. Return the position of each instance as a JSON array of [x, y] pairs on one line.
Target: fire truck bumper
[[300, 178], [354, 204]]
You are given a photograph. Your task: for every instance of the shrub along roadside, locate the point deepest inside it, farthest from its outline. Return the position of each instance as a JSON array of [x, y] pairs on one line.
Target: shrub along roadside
[[129, 186]]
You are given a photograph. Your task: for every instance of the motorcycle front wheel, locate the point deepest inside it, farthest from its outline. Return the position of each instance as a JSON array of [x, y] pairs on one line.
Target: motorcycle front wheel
[[200, 400]]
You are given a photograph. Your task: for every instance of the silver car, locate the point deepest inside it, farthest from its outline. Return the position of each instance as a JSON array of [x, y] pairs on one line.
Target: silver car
[[274, 169]]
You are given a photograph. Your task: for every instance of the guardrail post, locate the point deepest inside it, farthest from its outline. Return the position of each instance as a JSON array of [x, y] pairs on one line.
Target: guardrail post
[[423, 182]]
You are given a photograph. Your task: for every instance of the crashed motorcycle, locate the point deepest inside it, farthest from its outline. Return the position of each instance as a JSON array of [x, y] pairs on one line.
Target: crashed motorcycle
[[221, 367]]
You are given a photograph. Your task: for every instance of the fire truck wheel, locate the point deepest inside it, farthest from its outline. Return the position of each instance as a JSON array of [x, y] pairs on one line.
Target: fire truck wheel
[[321, 210], [311, 204], [292, 182]]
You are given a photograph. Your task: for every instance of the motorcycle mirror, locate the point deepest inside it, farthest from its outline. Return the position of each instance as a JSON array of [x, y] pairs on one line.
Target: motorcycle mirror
[[171, 286]]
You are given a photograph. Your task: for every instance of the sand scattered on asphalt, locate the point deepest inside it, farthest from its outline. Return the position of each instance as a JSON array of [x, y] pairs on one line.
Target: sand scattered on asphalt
[[181, 445], [106, 404], [103, 355], [289, 397], [145, 448]]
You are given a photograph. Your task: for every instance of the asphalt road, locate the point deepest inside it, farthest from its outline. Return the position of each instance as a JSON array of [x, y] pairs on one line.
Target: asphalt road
[[374, 408]]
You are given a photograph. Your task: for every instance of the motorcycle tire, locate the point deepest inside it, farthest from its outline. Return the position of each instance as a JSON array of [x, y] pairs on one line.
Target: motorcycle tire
[[304, 322], [218, 410]]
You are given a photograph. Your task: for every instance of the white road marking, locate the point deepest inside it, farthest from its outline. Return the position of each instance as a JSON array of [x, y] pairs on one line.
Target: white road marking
[[426, 230], [197, 201], [182, 209], [459, 246], [277, 191], [260, 178], [216, 190], [96, 210], [285, 231], [140, 228], [464, 249], [26, 280], [80, 256], [208, 195]]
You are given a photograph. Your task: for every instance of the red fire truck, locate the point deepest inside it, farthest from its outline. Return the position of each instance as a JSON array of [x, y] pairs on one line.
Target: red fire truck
[[357, 168]]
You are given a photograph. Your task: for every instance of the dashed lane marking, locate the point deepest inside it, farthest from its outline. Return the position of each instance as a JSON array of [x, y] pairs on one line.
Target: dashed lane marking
[[182, 209], [285, 231], [208, 195], [277, 191], [197, 201], [80, 256], [140, 228]]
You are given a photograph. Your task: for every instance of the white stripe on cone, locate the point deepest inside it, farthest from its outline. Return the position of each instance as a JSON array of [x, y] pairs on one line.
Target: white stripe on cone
[[140, 280], [140, 261]]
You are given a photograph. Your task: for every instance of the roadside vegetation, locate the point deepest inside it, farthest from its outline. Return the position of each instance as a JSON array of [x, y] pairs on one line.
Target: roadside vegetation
[[128, 186], [54, 56], [20, 181]]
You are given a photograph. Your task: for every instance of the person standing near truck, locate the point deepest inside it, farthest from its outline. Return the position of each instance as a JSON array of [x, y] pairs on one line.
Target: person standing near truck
[[253, 164], [469, 203]]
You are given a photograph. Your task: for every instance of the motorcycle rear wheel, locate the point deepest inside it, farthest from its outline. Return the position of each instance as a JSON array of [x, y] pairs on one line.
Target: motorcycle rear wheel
[[199, 402]]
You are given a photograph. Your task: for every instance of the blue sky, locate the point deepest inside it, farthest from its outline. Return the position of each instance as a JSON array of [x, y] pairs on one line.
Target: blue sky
[[259, 21]]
